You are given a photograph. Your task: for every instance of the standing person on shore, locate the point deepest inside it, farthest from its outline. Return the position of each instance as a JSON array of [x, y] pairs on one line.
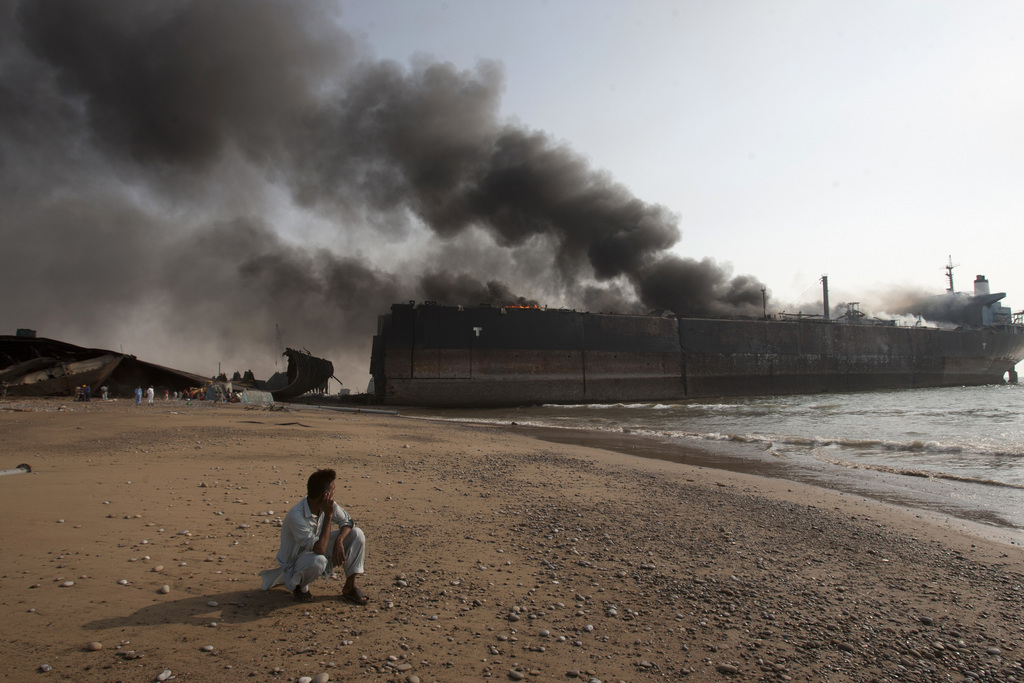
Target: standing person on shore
[[138, 396], [310, 549], [149, 395]]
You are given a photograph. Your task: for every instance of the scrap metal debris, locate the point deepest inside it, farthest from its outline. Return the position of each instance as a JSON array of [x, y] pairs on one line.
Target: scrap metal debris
[[20, 469]]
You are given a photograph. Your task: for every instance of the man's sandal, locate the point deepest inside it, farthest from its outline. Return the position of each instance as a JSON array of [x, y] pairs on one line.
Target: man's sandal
[[356, 597]]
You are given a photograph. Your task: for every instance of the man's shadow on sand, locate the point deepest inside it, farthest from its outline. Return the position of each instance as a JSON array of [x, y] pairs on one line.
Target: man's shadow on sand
[[232, 608]]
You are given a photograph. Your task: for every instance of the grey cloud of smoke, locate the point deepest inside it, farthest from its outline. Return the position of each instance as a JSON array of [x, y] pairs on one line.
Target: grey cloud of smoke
[[908, 305], [146, 143], [464, 287]]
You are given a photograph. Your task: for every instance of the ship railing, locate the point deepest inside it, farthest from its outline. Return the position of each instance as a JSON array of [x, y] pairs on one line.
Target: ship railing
[[803, 317]]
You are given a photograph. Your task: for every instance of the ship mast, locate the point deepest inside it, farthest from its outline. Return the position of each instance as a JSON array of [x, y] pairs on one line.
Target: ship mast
[[278, 351], [949, 273]]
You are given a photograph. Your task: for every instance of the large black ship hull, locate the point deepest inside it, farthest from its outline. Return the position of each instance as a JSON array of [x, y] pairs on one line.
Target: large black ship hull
[[446, 356]]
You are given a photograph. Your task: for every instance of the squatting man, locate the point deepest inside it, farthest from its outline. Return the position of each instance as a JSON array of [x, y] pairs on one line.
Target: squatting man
[[310, 549]]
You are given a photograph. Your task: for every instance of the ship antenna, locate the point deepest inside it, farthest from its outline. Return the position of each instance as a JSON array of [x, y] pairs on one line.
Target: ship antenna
[[277, 344], [949, 273]]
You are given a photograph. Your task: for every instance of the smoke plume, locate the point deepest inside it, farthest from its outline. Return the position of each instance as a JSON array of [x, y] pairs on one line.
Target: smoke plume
[[181, 176]]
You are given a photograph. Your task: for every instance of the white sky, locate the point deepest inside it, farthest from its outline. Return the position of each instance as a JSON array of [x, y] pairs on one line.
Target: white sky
[[865, 140]]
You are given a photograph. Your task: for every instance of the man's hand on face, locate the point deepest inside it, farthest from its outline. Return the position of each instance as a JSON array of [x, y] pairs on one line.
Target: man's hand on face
[[327, 502]]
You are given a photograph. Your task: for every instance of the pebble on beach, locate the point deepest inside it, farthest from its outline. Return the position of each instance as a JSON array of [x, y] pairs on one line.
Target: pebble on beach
[[165, 589], [94, 645], [164, 675]]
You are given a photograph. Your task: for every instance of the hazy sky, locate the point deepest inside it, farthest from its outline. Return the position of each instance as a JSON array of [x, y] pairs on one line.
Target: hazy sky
[[864, 140], [179, 178]]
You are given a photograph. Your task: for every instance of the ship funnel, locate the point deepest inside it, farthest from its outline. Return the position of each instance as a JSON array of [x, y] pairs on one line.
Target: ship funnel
[[824, 293], [981, 286]]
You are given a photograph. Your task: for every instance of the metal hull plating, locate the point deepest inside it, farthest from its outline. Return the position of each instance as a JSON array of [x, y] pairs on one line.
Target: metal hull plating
[[444, 356], [306, 373]]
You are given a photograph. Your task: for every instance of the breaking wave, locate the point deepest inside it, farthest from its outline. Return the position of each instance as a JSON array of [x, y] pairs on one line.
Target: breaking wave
[[915, 446], [609, 406], [909, 472]]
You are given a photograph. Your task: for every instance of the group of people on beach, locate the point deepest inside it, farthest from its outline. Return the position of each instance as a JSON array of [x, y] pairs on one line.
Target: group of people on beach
[[150, 393], [84, 393], [212, 392]]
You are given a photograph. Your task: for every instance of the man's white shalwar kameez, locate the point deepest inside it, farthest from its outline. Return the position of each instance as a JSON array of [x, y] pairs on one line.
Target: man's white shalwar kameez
[[298, 565]]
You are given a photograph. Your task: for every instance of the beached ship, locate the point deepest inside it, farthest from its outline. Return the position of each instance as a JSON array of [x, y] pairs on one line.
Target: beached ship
[[456, 356]]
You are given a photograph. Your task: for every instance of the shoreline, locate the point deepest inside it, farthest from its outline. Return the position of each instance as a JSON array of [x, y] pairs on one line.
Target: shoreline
[[887, 490], [491, 555], [969, 520]]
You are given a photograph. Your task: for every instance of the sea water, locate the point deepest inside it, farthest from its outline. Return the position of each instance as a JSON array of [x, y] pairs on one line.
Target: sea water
[[956, 451]]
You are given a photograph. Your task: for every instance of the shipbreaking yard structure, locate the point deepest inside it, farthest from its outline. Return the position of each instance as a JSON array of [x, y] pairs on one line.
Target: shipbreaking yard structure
[[36, 366]]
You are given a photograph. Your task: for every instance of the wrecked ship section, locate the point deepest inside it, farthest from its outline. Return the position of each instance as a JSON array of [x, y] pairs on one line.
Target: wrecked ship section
[[36, 366], [306, 374]]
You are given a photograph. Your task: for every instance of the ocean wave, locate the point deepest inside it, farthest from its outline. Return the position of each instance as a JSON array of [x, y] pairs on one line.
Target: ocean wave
[[606, 406], [690, 407], [778, 441], [726, 406], [912, 472], [916, 446]]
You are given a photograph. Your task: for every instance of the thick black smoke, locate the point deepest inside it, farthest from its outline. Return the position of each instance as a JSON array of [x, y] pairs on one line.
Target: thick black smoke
[[467, 289], [191, 173]]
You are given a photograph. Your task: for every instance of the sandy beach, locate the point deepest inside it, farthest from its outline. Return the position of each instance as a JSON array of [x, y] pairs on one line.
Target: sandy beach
[[492, 555]]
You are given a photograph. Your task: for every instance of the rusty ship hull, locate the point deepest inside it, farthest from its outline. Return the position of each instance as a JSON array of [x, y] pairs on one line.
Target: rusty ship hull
[[449, 356]]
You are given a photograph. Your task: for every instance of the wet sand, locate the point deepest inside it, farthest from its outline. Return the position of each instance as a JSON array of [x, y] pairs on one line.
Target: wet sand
[[491, 555], [919, 496]]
